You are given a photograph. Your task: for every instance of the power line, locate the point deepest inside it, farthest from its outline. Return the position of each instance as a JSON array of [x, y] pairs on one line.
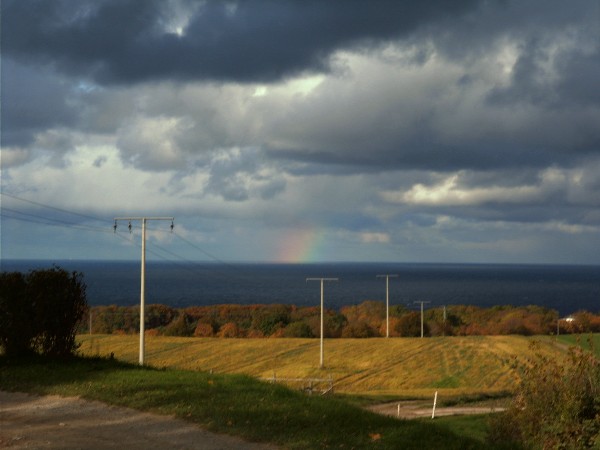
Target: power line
[[48, 220], [52, 207], [28, 217]]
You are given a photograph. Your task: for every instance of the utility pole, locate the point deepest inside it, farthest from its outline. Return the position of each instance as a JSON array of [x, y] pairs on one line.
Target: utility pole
[[321, 280], [422, 302], [444, 326], [143, 274], [387, 302]]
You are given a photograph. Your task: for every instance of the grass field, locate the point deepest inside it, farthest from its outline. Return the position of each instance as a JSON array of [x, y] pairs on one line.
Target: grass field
[[239, 405], [379, 366]]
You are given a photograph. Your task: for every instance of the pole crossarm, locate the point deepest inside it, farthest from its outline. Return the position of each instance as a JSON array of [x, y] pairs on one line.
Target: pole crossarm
[[145, 218], [322, 280], [143, 273], [387, 301]]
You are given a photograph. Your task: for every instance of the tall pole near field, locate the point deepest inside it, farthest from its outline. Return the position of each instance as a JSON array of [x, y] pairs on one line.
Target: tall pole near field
[[143, 275], [422, 302], [387, 302], [322, 327]]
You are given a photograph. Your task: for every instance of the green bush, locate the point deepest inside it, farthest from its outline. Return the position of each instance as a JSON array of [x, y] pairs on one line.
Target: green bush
[[557, 404], [39, 312]]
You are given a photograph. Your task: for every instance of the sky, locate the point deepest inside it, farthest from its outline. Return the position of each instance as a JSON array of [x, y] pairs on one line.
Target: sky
[[302, 131]]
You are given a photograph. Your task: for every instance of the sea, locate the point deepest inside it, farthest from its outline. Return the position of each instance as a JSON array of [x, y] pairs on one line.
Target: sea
[[566, 288]]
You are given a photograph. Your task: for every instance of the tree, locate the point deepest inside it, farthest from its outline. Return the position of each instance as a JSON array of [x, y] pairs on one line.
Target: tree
[[409, 325], [358, 329], [267, 319], [298, 330], [16, 325], [40, 312], [204, 330], [59, 303], [181, 326]]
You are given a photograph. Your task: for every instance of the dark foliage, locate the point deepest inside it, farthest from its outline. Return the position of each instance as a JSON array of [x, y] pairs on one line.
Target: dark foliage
[[39, 312]]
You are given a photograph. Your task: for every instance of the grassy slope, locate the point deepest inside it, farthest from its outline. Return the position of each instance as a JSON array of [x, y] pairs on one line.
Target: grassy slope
[[235, 404], [376, 366]]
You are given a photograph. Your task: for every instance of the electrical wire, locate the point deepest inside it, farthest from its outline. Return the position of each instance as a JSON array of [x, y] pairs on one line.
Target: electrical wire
[[155, 250]]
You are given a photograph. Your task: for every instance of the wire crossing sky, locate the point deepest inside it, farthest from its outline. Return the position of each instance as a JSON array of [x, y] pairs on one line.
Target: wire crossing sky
[[430, 131]]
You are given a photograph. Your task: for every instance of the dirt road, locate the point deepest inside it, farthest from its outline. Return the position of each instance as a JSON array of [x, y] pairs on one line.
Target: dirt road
[[413, 410], [54, 422]]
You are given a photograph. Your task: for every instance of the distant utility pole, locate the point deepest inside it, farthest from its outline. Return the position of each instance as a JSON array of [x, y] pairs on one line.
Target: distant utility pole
[[444, 327], [321, 280], [387, 302], [143, 275], [421, 302]]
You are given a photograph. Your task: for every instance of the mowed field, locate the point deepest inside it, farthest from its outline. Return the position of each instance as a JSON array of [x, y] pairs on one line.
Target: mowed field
[[379, 366]]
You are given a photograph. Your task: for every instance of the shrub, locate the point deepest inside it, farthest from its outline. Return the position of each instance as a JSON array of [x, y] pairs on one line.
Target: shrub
[[298, 330], [16, 315], [40, 311], [557, 404]]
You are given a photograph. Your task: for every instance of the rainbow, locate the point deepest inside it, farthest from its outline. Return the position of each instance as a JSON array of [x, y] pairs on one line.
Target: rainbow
[[301, 245]]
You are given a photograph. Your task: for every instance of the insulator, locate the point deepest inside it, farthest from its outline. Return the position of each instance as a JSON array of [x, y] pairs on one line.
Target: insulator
[[115, 227], [172, 226], [129, 227]]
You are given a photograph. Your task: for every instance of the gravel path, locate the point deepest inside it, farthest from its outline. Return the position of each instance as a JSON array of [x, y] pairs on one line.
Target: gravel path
[[54, 422], [413, 410]]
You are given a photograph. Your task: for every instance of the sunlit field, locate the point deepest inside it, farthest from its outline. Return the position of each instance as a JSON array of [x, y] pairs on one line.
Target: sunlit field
[[395, 366]]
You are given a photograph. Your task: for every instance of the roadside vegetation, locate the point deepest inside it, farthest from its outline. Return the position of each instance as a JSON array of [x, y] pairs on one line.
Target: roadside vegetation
[[235, 404], [556, 405]]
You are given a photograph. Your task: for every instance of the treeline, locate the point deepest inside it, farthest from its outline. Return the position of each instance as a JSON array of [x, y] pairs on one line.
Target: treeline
[[367, 319]]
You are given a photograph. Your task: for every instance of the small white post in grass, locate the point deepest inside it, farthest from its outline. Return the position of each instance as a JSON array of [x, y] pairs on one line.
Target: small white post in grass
[[434, 403], [398, 409]]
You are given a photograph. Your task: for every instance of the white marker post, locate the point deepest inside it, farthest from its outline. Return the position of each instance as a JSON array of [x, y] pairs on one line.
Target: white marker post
[[143, 275], [321, 280], [434, 403]]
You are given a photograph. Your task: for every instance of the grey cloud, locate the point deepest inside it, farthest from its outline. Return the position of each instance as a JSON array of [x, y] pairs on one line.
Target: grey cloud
[[239, 174], [123, 41], [32, 101]]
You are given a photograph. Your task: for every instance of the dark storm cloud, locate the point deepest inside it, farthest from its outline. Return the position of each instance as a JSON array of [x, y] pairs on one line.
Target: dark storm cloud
[[32, 101], [124, 41]]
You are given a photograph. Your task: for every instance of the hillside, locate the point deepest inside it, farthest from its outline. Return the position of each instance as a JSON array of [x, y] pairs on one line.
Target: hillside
[[400, 366]]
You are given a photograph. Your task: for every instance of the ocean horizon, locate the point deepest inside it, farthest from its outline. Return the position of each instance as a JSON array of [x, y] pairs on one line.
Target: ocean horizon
[[566, 288]]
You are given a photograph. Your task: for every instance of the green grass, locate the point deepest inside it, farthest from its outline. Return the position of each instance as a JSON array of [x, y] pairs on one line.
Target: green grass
[[238, 405], [583, 340]]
